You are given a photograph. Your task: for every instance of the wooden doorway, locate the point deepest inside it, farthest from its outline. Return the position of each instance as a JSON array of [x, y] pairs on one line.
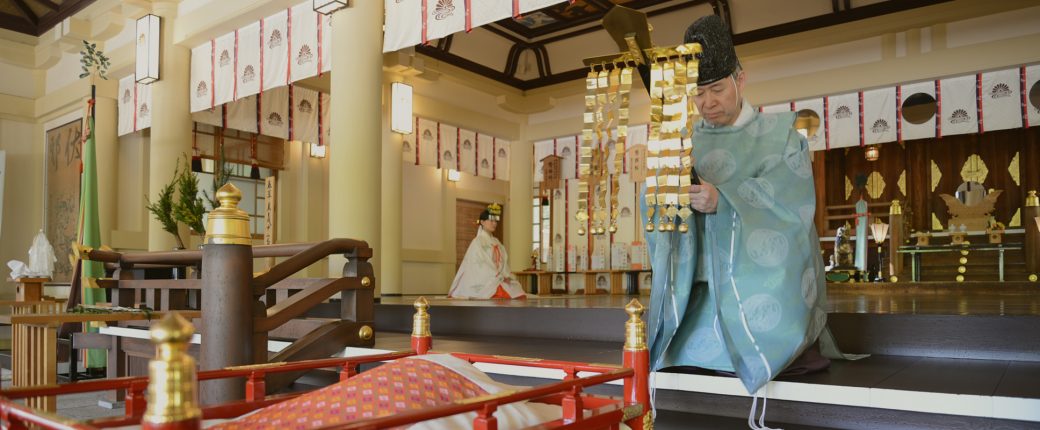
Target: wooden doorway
[[466, 214]]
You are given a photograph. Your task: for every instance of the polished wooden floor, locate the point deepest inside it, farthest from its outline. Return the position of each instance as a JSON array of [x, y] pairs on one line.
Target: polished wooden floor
[[930, 298]]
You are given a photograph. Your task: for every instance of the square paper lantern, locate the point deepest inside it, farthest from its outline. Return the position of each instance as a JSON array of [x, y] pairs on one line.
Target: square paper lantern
[[401, 108], [327, 7], [148, 35]]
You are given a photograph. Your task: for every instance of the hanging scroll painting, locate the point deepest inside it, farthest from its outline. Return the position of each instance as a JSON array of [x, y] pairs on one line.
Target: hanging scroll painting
[[63, 155]]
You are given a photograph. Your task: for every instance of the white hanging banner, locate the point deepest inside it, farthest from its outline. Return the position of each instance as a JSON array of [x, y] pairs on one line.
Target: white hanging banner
[[502, 148], [1032, 106], [274, 113], [144, 107], [305, 115], [404, 22], [959, 105], [248, 61], [926, 129], [814, 130], [777, 108], [628, 218], [532, 5], [408, 152], [879, 115], [449, 147], [201, 77], [843, 120], [542, 149], [326, 127], [467, 151], [241, 114], [304, 55], [485, 150], [567, 148], [224, 69], [444, 18], [428, 151], [486, 11], [213, 116], [325, 44], [275, 59], [1001, 100], [127, 86]]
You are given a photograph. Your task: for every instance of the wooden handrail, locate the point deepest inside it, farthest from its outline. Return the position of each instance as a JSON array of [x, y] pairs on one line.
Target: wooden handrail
[[310, 254]]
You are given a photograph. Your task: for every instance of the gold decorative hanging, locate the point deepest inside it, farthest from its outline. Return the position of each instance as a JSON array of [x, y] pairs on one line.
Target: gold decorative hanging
[[974, 170], [936, 176], [1013, 170]]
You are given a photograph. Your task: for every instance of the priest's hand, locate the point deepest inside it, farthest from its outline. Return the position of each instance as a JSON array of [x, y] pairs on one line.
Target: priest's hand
[[704, 197]]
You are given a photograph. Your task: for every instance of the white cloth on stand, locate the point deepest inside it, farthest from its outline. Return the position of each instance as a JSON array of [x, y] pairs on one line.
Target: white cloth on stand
[[484, 270], [41, 260]]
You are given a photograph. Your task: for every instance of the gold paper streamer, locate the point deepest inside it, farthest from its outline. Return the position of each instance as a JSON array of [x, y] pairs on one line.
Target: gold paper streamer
[[585, 152]]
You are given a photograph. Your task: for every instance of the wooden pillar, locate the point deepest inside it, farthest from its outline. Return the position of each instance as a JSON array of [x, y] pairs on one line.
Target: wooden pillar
[[1030, 214], [820, 184], [227, 295], [895, 235]]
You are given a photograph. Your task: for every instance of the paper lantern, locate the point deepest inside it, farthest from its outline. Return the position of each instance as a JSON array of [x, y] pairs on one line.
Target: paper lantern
[[327, 7], [148, 35]]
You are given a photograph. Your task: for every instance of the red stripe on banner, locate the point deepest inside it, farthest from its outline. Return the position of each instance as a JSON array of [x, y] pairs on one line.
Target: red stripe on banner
[[292, 114], [321, 131], [259, 112], [223, 116], [458, 149], [135, 106], [288, 53], [759, 111], [566, 232], [261, 58], [494, 157], [792, 107], [320, 42], [899, 113], [516, 9], [234, 95], [476, 153], [418, 140], [938, 109], [423, 8], [1025, 97], [439, 146], [862, 132], [978, 101], [826, 123], [469, 15], [212, 73]]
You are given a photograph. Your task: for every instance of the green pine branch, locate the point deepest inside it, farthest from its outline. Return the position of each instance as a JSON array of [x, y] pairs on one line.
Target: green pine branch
[[162, 210], [93, 61], [189, 208]]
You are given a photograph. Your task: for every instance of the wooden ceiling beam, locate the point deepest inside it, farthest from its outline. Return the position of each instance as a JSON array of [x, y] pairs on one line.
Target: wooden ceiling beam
[[67, 9], [27, 11], [50, 4], [17, 23]]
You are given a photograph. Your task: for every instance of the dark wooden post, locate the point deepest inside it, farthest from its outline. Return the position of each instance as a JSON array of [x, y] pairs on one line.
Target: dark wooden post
[[895, 240], [227, 296], [1031, 223]]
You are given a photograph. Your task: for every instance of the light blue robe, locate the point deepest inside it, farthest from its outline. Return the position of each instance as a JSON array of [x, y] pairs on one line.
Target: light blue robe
[[764, 299]]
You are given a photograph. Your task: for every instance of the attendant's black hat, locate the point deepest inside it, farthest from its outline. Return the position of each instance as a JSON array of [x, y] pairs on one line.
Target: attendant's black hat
[[718, 59]]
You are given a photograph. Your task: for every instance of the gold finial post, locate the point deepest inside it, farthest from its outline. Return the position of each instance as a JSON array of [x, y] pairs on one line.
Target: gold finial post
[[228, 225], [172, 386], [636, 356], [635, 328], [422, 340], [1032, 200], [895, 209]]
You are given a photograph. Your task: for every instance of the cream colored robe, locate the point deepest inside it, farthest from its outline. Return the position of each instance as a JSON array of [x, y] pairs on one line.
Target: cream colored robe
[[484, 269]]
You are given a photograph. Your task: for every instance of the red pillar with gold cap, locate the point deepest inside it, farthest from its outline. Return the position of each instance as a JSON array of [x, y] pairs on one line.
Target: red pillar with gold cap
[[1031, 222], [173, 401], [422, 341], [636, 356]]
